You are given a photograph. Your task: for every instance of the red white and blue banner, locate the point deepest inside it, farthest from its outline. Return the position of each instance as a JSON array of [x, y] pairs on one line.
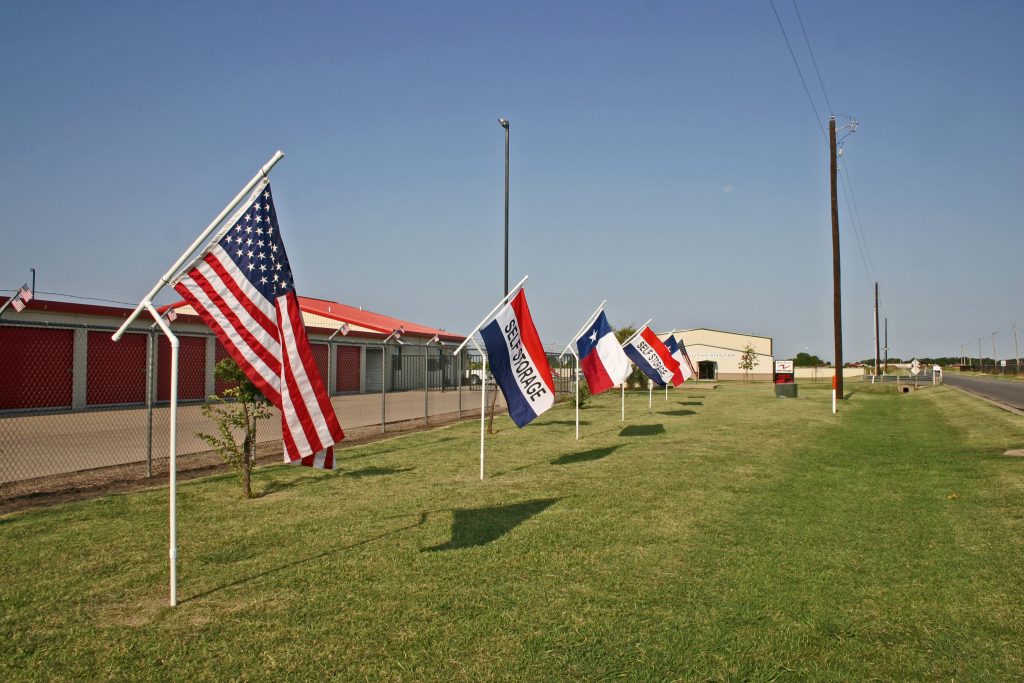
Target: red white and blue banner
[[652, 356], [243, 290], [689, 361], [683, 373], [518, 362], [602, 360]]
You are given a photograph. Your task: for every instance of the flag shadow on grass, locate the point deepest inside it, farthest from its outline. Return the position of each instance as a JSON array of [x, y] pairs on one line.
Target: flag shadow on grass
[[275, 485], [420, 521], [375, 471], [586, 456], [645, 430], [479, 526], [678, 413], [690, 403]]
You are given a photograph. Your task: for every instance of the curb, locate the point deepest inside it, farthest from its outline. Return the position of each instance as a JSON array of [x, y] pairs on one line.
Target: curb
[[1004, 406]]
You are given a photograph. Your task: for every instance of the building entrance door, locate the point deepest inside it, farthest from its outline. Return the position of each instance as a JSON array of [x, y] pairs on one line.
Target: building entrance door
[[707, 369]]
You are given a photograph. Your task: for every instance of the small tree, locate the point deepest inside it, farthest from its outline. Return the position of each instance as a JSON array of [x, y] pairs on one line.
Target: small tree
[[585, 394], [237, 408], [748, 361]]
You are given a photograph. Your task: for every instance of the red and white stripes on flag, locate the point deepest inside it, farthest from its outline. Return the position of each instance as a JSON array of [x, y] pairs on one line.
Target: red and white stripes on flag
[[242, 289]]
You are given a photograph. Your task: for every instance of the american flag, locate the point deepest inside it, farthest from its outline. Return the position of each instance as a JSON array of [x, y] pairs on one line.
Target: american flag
[[242, 288]]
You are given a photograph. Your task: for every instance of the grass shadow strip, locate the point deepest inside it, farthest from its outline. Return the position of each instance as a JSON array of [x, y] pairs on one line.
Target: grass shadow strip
[[479, 526]]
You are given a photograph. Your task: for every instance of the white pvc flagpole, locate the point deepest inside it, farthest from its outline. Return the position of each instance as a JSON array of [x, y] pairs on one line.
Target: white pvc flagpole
[[650, 393], [568, 348], [666, 392], [483, 413], [577, 396], [198, 241], [638, 331], [623, 345], [487, 318], [483, 405], [590, 320], [172, 464]]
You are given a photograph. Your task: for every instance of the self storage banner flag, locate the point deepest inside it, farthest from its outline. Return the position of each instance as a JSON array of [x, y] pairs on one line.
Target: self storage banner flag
[[684, 370], [652, 356], [518, 362], [602, 360]]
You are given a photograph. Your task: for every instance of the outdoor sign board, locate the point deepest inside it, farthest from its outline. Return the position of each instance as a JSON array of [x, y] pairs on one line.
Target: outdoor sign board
[[784, 372]]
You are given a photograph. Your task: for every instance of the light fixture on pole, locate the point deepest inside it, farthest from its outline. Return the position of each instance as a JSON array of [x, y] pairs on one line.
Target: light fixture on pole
[[426, 375], [397, 336]]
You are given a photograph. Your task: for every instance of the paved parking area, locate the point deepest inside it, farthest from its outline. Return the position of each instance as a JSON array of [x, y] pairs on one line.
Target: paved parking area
[[55, 443]]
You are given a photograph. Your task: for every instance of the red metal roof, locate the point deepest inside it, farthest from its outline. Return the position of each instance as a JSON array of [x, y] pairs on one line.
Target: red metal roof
[[39, 305], [374, 321], [380, 323]]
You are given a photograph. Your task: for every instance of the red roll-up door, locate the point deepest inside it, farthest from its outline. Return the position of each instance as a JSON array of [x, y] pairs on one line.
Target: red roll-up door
[[35, 367], [219, 354], [348, 369], [320, 354], [191, 369], [115, 371]]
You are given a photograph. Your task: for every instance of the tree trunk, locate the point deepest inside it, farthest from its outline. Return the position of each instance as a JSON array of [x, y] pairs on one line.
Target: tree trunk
[[494, 401], [248, 453], [246, 478]]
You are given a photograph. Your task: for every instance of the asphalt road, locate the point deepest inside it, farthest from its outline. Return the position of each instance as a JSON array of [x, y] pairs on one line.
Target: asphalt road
[[1007, 392]]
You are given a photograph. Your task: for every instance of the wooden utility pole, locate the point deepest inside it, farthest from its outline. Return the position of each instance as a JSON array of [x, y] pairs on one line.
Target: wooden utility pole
[[837, 309], [877, 354]]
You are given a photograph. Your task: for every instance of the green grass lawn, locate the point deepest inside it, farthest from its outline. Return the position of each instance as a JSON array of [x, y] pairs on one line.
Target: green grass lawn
[[724, 534]]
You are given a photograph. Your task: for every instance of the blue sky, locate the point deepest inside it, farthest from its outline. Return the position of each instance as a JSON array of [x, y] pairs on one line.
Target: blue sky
[[664, 157]]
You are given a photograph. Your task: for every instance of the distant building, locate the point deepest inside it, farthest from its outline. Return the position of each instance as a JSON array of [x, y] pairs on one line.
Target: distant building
[[717, 353], [59, 355]]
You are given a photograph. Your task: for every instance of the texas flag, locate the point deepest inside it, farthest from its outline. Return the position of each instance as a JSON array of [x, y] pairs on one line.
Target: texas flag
[[602, 360], [652, 356], [684, 372], [518, 362]]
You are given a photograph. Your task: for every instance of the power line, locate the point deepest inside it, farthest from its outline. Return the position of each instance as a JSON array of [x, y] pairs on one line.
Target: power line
[[813, 60], [847, 183], [800, 73], [856, 209], [858, 238]]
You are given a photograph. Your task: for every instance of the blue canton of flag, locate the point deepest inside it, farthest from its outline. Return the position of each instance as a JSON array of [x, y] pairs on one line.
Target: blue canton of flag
[[255, 245]]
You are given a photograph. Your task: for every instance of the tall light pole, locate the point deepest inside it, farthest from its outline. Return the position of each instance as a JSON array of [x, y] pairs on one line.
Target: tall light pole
[[1016, 349], [981, 363], [994, 362], [505, 124]]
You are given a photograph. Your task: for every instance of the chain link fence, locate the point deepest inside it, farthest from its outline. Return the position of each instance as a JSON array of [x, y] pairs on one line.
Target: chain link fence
[[72, 401]]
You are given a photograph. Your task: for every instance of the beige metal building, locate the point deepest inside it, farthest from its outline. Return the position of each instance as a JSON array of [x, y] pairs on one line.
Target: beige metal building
[[716, 354]]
